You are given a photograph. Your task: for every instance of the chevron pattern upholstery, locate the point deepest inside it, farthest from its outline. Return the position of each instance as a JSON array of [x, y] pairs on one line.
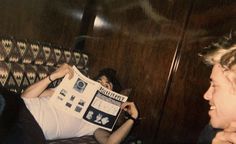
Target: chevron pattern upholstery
[[23, 63]]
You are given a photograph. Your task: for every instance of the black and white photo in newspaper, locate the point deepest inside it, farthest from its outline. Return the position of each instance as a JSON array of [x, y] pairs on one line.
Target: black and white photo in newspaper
[[104, 108]]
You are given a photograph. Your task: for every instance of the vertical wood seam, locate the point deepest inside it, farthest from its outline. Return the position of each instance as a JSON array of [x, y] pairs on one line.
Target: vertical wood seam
[[173, 69]]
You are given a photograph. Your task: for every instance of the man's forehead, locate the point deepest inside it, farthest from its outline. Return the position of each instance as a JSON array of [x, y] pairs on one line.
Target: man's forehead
[[103, 77], [218, 74], [217, 69]]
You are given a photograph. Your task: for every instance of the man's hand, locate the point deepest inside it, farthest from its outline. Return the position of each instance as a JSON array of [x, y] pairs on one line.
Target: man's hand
[[62, 71], [130, 108], [227, 136]]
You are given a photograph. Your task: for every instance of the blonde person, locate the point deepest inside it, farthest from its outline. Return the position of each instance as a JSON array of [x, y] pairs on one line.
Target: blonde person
[[221, 94]]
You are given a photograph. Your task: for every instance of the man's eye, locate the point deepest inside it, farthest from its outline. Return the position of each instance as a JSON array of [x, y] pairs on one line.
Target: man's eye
[[107, 86]]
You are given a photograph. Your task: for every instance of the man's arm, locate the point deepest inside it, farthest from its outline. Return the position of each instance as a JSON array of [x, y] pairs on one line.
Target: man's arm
[[105, 137], [36, 89]]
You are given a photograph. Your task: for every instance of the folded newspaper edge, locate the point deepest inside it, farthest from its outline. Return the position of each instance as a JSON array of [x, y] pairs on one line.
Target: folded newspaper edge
[[87, 99]]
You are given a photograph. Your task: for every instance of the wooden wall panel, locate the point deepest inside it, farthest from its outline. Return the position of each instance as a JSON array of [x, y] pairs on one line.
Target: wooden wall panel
[[141, 44], [135, 66], [185, 112], [55, 21], [141, 47]]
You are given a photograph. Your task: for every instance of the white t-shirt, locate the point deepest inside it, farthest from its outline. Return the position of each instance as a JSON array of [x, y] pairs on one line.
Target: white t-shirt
[[56, 123]]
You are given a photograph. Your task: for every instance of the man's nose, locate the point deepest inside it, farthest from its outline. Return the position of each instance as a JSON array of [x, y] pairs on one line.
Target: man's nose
[[208, 94], [102, 83]]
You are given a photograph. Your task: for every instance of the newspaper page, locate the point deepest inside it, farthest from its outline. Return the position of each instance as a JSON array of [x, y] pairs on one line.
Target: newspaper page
[[104, 109], [74, 95], [89, 100]]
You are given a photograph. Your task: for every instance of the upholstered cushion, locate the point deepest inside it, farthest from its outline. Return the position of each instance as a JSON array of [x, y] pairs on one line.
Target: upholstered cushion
[[23, 63]]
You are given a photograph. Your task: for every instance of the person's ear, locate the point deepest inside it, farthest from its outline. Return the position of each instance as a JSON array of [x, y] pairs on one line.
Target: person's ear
[[111, 85]]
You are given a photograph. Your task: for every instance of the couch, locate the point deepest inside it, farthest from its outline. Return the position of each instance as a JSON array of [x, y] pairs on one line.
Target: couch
[[24, 62]]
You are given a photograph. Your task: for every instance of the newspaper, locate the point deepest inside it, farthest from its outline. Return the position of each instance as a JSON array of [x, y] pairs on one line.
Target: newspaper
[[88, 100]]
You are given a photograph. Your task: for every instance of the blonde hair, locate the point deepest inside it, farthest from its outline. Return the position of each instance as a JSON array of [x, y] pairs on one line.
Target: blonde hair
[[223, 52]]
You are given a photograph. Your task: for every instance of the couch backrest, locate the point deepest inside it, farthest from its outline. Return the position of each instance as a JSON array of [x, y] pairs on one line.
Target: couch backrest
[[24, 62]]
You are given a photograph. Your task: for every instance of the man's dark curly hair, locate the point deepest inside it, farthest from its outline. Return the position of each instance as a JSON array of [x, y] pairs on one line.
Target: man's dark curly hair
[[111, 75], [223, 51]]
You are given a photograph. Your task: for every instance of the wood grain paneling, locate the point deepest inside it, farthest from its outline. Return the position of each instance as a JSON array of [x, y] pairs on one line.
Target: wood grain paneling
[[140, 41], [55, 21], [140, 44]]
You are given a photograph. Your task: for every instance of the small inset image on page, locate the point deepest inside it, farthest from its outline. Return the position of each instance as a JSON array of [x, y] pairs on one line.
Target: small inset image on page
[[80, 85]]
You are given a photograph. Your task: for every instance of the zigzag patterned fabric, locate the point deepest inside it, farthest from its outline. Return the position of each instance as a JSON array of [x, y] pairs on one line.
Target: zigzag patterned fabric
[[23, 63]]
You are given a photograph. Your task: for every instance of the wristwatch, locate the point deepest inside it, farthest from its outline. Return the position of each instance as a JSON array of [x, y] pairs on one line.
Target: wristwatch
[[128, 116]]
